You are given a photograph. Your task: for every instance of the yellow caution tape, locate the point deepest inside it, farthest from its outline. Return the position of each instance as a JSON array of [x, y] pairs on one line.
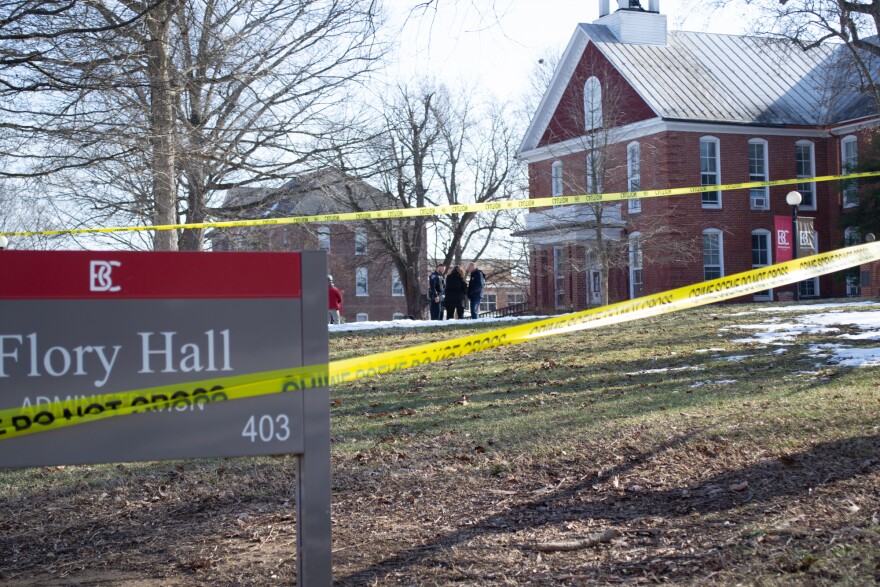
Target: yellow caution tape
[[454, 208], [19, 421], [40, 417]]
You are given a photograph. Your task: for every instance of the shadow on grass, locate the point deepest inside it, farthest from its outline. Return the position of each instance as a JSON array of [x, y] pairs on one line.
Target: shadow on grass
[[796, 474]]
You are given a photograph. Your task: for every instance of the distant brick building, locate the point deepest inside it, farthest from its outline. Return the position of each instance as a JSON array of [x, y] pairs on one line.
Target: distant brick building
[[506, 290], [678, 109], [361, 267]]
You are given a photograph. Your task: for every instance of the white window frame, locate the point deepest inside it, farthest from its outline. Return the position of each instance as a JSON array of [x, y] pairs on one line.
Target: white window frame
[[592, 104], [806, 188], [767, 294], [559, 277], [398, 316], [516, 298], [848, 163], [596, 187], [708, 177], [634, 175], [324, 238], [488, 303], [713, 232], [396, 284], [360, 241], [636, 269], [362, 317], [761, 194], [815, 280], [556, 184], [361, 282], [851, 237]]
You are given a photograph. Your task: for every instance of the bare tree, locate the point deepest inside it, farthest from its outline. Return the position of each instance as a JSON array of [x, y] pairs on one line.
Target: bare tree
[[430, 150], [198, 97], [854, 25]]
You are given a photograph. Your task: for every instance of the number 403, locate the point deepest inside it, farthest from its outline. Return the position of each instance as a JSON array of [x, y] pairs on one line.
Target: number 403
[[267, 428]]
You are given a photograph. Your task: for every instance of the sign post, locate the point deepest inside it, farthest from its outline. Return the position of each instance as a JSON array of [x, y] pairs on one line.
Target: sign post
[[75, 326]]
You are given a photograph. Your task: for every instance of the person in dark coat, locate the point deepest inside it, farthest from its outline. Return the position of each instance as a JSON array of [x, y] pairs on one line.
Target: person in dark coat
[[475, 288], [456, 293], [436, 288]]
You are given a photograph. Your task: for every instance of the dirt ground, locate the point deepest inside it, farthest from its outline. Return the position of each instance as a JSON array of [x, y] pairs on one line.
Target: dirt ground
[[690, 510]]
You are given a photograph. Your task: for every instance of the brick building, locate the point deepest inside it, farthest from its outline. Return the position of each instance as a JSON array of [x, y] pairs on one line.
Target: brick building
[[506, 290], [359, 262], [633, 106]]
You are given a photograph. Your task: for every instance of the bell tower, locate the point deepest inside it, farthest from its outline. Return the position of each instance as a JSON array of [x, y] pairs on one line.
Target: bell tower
[[631, 23]]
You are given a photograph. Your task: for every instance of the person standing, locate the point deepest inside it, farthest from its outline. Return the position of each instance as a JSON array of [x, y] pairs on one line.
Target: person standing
[[334, 304], [436, 290], [475, 288], [456, 293]]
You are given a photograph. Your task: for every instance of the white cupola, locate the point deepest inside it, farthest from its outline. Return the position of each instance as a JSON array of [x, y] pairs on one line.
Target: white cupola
[[631, 23]]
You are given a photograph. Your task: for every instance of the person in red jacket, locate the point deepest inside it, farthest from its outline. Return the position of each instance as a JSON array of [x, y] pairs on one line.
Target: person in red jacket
[[335, 301]]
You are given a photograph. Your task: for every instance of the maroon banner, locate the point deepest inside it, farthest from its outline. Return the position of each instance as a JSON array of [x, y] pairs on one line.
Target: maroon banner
[[148, 275], [783, 238]]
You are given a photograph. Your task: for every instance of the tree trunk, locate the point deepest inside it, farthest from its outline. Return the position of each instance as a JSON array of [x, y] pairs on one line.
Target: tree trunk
[[161, 128]]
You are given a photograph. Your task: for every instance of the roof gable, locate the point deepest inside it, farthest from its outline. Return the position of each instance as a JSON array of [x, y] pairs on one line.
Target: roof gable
[[702, 77], [621, 103]]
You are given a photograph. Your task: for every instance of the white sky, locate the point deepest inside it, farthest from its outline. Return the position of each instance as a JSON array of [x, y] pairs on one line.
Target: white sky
[[495, 50]]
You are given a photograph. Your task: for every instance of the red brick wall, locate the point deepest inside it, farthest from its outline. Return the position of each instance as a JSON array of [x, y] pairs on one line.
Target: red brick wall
[[672, 159], [568, 119]]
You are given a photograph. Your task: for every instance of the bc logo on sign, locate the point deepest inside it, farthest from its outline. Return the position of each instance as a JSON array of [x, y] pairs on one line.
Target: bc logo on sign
[[99, 276]]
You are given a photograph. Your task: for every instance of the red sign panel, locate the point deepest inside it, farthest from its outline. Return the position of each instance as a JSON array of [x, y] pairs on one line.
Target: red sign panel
[[156, 275], [783, 237]]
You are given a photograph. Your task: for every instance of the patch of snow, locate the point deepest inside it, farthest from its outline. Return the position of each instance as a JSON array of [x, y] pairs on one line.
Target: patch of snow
[[665, 370]]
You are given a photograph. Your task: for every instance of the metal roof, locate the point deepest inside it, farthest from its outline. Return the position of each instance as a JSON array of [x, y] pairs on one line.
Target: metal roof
[[736, 79]]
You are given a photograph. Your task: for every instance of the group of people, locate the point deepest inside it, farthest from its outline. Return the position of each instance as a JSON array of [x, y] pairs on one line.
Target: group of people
[[450, 291], [447, 292]]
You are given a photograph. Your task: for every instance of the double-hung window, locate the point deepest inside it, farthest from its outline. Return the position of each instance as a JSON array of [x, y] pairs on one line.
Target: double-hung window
[[396, 283], [594, 173], [634, 175], [710, 170], [805, 168], [636, 283], [361, 282], [713, 254], [324, 238], [849, 161], [759, 198], [559, 276], [556, 179], [761, 257], [360, 241]]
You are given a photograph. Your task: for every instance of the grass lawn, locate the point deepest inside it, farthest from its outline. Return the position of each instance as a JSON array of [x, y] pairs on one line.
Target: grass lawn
[[678, 449]]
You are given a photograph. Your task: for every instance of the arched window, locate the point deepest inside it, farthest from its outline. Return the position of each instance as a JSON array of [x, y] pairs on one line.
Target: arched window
[[636, 284], [592, 104], [556, 179]]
